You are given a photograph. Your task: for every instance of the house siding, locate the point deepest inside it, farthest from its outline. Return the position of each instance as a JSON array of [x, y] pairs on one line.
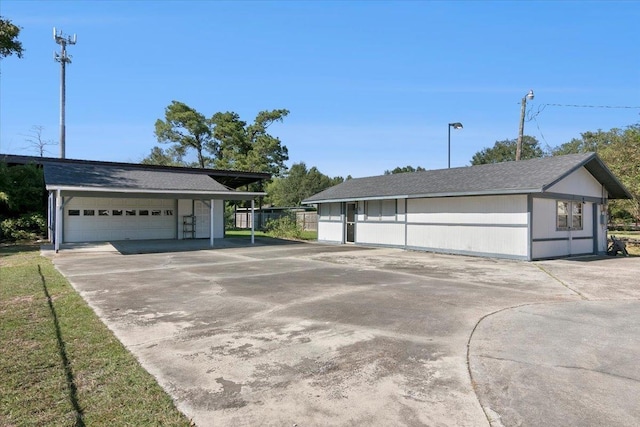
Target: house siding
[[480, 225], [507, 210], [579, 182], [486, 225]]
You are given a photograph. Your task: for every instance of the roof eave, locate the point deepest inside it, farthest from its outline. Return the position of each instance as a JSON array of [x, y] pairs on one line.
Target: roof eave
[[429, 195], [160, 193]]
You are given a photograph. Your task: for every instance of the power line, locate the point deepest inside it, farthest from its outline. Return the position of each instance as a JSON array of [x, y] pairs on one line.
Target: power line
[[591, 106]]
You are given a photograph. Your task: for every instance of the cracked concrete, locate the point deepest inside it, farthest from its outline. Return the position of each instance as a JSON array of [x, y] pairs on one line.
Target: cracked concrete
[[317, 335]]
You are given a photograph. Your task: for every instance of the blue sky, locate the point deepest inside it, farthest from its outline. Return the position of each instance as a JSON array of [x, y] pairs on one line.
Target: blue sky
[[370, 85]]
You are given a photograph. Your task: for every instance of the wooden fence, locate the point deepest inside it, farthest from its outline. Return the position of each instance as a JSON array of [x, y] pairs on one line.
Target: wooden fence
[[308, 221]]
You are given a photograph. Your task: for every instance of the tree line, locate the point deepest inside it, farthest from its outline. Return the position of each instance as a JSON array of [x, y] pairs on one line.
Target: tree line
[[618, 148], [224, 141]]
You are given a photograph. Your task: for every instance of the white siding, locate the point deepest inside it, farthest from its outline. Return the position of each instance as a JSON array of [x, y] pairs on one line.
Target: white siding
[[548, 242], [159, 223], [203, 219], [580, 182], [380, 233], [483, 225], [330, 226], [330, 231], [510, 242], [201, 210]]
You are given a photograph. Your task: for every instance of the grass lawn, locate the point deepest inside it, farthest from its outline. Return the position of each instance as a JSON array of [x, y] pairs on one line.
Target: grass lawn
[[59, 364], [306, 235]]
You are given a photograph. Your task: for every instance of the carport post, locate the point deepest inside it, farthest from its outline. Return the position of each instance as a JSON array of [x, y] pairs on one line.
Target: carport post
[[58, 222], [253, 221], [211, 228]]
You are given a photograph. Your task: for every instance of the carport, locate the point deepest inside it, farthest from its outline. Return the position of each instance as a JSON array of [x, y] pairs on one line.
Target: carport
[[101, 201]]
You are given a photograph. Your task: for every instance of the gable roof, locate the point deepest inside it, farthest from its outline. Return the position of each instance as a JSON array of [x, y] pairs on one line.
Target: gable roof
[[110, 179], [229, 178], [522, 177]]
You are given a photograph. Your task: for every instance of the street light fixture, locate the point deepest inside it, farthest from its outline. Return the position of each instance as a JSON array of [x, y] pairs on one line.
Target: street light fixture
[[528, 96], [456, 125]]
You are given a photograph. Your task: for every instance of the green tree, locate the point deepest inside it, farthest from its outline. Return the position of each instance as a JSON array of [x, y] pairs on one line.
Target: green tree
[[23, 189], [223, 141], [249, 147], [186, 129], [9, 43], [298, 184], [589, 142], [505, 151], [168, 157], [404, 169], [23, 202], [620, 150]]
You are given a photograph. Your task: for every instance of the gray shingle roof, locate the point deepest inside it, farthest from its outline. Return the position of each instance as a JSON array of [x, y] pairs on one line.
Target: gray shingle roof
[[123, 178], [527, 176], [228, 178]]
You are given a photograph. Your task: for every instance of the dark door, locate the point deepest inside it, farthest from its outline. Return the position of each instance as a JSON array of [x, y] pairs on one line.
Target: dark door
[[351, 222]]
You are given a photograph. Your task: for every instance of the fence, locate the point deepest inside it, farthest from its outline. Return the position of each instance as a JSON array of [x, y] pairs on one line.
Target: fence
[[308, 221]]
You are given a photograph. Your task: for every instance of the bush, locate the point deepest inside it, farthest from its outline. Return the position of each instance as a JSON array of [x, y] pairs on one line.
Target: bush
[[285, 227], [29, 226]]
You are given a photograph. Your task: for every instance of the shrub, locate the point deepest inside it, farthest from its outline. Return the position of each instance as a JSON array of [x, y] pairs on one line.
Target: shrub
[[29, 226], [285, 227]]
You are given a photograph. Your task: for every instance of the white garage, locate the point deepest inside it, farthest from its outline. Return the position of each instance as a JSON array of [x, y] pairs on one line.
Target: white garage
[[102, 201]]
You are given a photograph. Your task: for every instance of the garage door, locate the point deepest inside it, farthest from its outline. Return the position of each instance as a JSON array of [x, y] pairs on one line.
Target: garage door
[[100, 219]]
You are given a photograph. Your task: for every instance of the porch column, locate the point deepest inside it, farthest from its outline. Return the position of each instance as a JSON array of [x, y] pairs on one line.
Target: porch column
[[50, 215], [58, 221], [253, 221], [211, 228]]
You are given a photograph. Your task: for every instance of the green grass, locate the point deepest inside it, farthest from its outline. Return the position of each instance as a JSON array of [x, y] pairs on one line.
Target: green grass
[[59, 364], [306, 235]]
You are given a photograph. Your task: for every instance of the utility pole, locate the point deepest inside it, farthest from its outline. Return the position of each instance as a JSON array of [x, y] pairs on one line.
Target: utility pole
[[63, 59], [523, 109]]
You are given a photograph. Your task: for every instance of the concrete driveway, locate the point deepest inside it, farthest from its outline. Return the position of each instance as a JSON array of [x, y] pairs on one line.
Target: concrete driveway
[[316, 335]]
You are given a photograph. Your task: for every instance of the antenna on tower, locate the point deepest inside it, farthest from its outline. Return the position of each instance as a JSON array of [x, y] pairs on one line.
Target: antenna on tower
[[63, 59]]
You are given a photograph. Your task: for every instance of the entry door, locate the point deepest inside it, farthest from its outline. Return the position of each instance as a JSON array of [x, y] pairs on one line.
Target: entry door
[[351, 222]]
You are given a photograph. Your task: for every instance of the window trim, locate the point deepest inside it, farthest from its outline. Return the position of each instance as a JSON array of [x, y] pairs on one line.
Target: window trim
[[570, 215]]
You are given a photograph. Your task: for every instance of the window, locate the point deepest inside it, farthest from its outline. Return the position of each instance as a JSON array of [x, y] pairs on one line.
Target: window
[[143, 212], [576, 216], [74, 212], [156, 212], [373, 209], [569, 215], [168, 212], [130, 212], [116, 212], [88, 212], [103, 212], [381, 210], [388, 210]]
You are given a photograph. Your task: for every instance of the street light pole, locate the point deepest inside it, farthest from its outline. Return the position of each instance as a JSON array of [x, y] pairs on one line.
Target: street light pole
[[456, 125], [521, 130]]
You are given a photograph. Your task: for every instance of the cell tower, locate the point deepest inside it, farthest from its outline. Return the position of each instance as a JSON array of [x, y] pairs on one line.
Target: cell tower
[[63, 59]]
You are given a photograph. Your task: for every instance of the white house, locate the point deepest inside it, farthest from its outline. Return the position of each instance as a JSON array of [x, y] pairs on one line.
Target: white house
[[532, 209], [93, 201]]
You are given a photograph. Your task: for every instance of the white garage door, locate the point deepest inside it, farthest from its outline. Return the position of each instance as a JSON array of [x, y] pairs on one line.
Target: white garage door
[[89, 219]]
